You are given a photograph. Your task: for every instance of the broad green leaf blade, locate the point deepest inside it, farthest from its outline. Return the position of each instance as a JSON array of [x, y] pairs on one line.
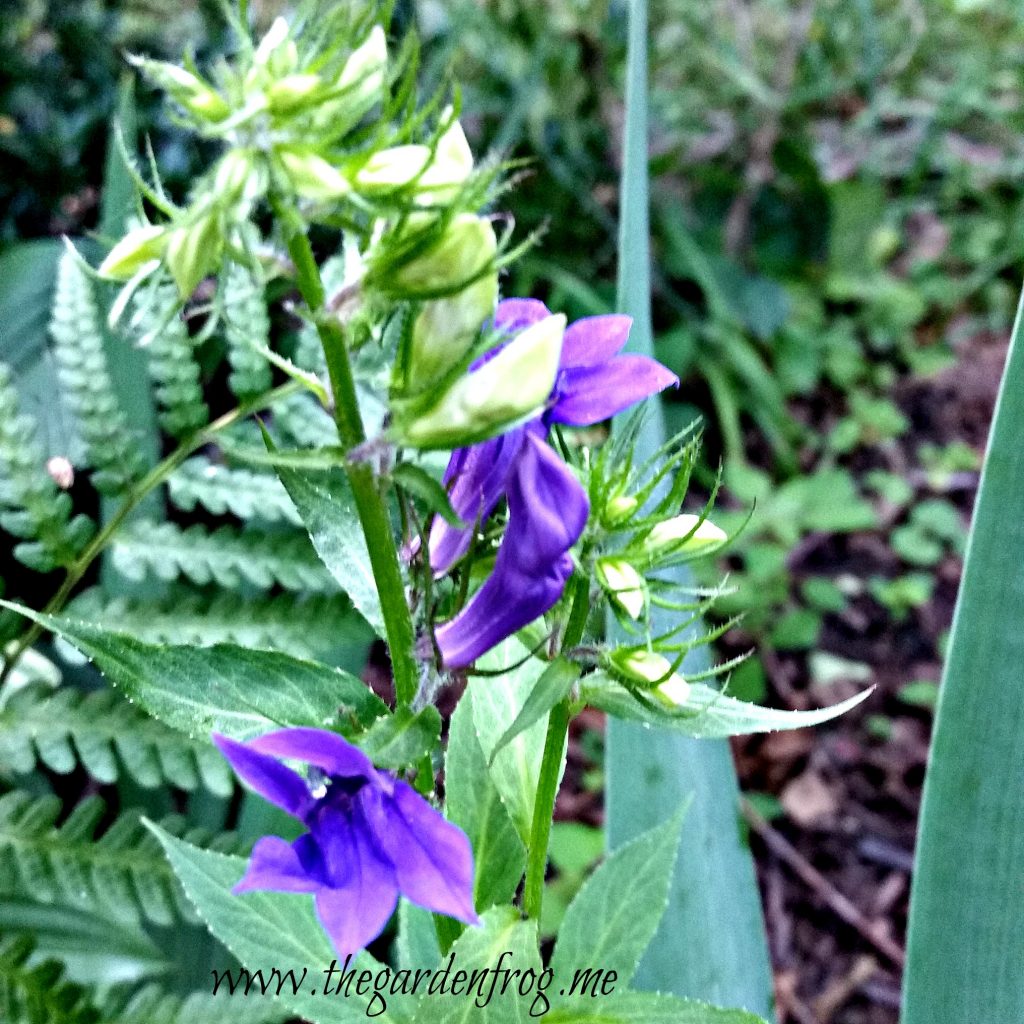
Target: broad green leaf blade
[[503, 940], [233, 690], [270, 930], [711, 943], [398, 741], [706, 713], [647, 1008], [965, 955], [554, 683], [417, 945], [328, 510], [496, 702], [604, 929], [473, 803]]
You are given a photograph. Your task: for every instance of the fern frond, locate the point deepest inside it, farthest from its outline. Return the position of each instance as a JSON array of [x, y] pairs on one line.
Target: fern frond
[[32, 508], [232, 558], [221, 489], [152, 1005], [245, 322], [309, 627], [39, 993], [108, 736], [118, 872], [170, 351], [111, 448], [304, 422]]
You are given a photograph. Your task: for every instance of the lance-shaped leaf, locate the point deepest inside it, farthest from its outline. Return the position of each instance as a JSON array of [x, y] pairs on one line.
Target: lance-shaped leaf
[[706, 713], [965, 951], [232, 690], [647, 1008]]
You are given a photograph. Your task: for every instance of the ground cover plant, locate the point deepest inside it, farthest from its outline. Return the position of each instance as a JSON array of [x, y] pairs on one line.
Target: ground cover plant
[[833, 280]]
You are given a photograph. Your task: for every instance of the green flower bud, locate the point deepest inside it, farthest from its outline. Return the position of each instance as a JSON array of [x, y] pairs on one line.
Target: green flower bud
[[362, 77], [641, 666], [140, 246], [311, 175], [674, 691], [623, 584], [276, 51], [466, 247], [436, 177], [240, 174], [512, 386], [292, 92], [619, 509], [670, 538], [193, 251], [445, 329], [195, 95]]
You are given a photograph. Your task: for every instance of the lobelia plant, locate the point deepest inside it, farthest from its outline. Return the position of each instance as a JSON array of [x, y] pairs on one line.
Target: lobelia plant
[[361, 212]]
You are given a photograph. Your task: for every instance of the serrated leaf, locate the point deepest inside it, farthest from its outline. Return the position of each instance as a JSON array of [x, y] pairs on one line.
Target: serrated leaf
[[496, 702], [226, 689], [268, 930], [502, 931], [600, 928], [706, 713], [472, 802], [327, 508], [400, 740], [554, 683]]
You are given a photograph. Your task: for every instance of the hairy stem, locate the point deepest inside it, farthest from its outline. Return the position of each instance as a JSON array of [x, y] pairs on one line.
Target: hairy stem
[[153, 479], [551, 761], [373, 515]]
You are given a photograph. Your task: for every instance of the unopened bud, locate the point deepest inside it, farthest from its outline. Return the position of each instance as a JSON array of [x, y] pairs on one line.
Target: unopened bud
[[240, 174], [276, 51], [682, 535], [652, 668], [674, 691], [618, 509], [140, 246], [466, 247], [623, 584], [293, 92], [195, 95], [445, 329], [61, 471], [362, 77], [311, 175], [193, 251], [512, 386]]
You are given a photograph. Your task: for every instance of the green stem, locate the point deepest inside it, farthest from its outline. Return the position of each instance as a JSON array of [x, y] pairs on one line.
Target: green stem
[[373, 515], [153, 479], [551, 762]]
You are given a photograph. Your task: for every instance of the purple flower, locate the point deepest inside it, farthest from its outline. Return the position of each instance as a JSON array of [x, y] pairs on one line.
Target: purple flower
[[370, 836], [547, 506]]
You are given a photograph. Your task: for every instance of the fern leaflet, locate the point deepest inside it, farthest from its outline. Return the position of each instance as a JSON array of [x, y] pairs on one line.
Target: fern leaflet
[[242, 492], [33, 993]]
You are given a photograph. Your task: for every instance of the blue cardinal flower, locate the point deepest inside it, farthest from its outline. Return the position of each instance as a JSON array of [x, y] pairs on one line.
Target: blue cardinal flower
[[547, 506], [370, 836]]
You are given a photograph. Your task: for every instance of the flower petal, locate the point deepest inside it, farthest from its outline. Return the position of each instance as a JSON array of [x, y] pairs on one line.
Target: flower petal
[[547, 512], [590, 394], [432, 858], [272, 780], [594, 339], [513, 315], [477, 477], [325, 749], [283, 867], [363, 892]]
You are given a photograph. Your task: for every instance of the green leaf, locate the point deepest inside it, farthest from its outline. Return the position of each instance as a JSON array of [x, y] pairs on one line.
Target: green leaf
[[496, 702], [418, 482], [554, 683], [646, 1008], [501, 931], [400, 740], [37, 993], [225, 689], [711, 944], [966, 944], [601, 928], [328, 509], [473, 803], [707, 713], [268, 930], [417, 938], [152, 1005]]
